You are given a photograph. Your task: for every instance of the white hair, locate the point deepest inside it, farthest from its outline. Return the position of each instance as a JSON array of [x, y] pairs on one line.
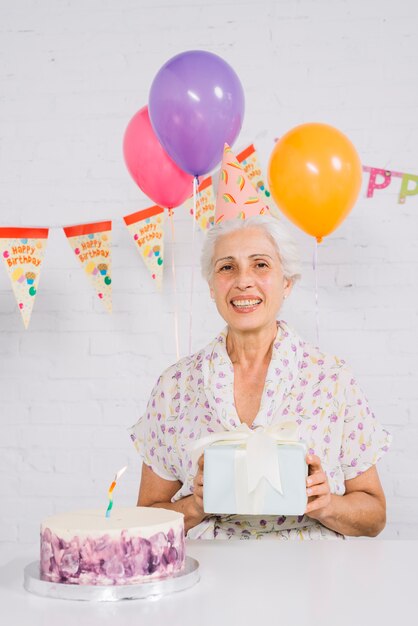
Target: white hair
[[283, 242]]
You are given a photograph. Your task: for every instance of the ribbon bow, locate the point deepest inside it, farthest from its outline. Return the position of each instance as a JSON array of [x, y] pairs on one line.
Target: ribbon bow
[[255, 458]]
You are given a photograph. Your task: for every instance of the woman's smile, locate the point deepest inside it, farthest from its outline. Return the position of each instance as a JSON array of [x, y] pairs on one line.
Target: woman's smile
[[246, 304]]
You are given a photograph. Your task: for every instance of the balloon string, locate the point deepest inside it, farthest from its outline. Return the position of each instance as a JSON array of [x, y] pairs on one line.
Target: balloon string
[[173, 270], [195, 186], [315, 268]]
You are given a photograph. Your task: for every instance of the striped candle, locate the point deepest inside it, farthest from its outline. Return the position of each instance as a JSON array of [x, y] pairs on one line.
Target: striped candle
[[111, 488]]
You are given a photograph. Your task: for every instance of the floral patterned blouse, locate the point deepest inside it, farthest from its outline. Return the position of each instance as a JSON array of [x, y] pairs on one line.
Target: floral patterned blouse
[[195, 397]]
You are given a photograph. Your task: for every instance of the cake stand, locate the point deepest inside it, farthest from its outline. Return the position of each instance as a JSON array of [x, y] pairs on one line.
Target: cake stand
[[155, 588]]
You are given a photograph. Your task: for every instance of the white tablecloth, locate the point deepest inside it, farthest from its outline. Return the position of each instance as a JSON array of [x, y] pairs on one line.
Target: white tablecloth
[[335, 583]]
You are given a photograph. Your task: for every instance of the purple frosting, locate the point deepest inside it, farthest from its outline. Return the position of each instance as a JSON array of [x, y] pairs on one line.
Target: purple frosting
[[107, 560]]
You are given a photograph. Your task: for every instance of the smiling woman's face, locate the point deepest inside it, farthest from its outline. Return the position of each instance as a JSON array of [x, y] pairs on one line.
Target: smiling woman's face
[[247, 281]]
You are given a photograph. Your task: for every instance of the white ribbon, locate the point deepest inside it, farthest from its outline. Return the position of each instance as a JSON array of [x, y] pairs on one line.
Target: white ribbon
[[255, 459]]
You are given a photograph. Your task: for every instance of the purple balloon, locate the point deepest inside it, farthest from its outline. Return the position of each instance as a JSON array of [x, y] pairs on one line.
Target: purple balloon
[[196, 105]]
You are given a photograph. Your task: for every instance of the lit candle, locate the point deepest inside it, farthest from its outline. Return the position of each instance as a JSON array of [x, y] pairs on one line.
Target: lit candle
[[111, 488]]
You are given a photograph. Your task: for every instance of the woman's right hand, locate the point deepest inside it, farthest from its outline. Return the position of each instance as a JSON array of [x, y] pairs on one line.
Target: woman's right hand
[[197, 495]]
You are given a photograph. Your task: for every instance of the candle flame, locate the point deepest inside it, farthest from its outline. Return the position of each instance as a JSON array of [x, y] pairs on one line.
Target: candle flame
[[120, 472]]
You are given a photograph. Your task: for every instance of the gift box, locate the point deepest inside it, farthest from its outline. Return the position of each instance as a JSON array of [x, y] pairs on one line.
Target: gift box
[[256, 472]]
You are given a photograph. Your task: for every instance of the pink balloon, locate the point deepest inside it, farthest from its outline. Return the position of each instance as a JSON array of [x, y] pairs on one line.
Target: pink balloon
[[151, 167]]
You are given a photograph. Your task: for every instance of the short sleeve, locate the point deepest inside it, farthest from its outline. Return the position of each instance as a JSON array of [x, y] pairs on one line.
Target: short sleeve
[[364, 439], [148, 434]]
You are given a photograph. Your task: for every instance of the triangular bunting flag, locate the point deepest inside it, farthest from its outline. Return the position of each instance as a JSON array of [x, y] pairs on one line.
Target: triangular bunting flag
[[22, 250], [91, 244], [249, 161], [205, 204], [251, 164], [147, 230], [237, 197]]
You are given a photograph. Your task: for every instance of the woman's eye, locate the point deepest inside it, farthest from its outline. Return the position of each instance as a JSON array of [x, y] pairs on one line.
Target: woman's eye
[[225, 268], [262, 264]]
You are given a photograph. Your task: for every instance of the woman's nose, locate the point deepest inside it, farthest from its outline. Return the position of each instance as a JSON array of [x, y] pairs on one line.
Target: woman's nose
[[245, 279]]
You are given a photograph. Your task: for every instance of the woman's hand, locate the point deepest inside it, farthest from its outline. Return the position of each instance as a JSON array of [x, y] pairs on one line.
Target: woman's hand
[[198, 490], [318, 491]]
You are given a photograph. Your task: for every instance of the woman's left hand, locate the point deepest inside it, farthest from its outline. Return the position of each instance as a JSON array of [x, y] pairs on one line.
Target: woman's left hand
[[318, 491]]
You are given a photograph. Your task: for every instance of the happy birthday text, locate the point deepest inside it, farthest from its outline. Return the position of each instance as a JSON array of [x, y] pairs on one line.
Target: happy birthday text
[[23, 255]]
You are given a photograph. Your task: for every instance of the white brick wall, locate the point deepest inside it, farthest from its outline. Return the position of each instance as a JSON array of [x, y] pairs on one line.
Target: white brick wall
[[72, 73]]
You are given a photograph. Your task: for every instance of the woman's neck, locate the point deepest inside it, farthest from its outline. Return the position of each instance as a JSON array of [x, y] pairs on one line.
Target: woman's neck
[[251, 348]]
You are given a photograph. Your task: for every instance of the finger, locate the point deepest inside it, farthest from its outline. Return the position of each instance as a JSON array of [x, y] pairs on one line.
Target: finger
[[201, 462], [317, 503], [319, 490], [316, 478], [314, 462]]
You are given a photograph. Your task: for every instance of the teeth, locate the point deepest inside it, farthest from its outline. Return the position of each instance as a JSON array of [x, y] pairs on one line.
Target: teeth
[[244, 303]]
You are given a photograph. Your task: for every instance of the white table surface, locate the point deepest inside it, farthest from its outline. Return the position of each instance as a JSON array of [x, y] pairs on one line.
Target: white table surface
[[338, 583]]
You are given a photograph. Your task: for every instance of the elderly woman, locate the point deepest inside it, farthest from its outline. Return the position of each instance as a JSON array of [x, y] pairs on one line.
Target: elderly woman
[[258, 371]]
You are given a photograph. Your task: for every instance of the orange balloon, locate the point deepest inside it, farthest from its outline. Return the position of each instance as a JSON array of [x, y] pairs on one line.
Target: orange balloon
[[314, 176]]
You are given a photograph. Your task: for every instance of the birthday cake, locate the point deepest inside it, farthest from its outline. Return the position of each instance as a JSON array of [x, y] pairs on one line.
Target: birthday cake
[[133, 545]]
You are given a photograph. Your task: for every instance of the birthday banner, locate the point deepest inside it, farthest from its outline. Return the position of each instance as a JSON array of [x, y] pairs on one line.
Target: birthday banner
[[380, 179], [147, 230], [91, 245], [22, 250]]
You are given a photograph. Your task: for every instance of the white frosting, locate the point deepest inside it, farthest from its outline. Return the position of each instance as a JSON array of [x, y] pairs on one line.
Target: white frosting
[[140, 521]]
